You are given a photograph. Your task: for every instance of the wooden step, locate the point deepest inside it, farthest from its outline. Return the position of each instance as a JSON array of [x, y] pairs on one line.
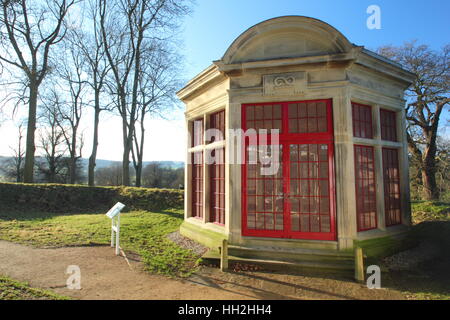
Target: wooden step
[[292, 255], [320, 263]]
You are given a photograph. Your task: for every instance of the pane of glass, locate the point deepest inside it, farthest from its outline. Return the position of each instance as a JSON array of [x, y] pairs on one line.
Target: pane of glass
[[304, 204], [315, 223], [293, 125], [314, 204], [294, 186], [295, 222], [260, 221], [304, 170], [269, 186], [277, 125], [250, 115], [267, 112], [322, 124], [312, 125], [304, 222], [277, 111], [294, 170], [323, 188], [324, 205], [312, 109], [251, 220], [279, 222], [270, 224], [292, 111], [313, 187], [321, 109], [303, 149], [268, 204], [295, 205], [325, 223], [313, 155], [304, 187], [258, 112], [303, 125], [323, 169], [251, 204], [259, 204], [313, 170], [279, 204], [294, 152], [302, 113]]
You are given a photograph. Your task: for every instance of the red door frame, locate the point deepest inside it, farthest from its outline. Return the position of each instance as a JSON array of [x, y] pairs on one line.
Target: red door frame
[[286, 139]]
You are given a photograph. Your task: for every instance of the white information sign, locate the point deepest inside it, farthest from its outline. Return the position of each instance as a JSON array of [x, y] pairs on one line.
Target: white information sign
[[114, 215]]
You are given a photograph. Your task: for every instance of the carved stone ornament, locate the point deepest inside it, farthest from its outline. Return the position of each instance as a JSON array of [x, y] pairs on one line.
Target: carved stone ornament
[[285, 83]]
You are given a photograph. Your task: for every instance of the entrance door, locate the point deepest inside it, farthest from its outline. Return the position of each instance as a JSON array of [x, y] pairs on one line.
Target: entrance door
[[296, 201]]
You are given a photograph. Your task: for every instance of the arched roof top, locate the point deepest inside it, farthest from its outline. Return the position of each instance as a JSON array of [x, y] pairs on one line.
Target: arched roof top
[[286, 37]]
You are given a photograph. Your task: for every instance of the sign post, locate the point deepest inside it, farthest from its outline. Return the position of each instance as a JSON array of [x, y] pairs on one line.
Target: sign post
[[114, 215]]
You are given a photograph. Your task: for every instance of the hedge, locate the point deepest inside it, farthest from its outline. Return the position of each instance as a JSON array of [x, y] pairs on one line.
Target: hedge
[[78, 198]]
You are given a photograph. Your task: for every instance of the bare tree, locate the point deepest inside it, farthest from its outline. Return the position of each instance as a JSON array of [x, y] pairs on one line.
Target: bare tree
[[126, 26], [91, 45], [158, 83], [51, 138], [13, 169], [72, 74], [428, 99], [28, 31]]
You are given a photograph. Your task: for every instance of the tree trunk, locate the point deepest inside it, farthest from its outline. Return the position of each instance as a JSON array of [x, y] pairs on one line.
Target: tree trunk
[[138, 174], [31, 128], [73, 158], [430, 190], [93, 157]]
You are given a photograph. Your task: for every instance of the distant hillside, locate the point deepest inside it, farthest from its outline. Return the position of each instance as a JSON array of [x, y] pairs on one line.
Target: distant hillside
[[101, 163]]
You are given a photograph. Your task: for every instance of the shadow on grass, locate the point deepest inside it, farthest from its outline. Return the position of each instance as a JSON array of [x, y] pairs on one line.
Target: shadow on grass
[[429, 279]]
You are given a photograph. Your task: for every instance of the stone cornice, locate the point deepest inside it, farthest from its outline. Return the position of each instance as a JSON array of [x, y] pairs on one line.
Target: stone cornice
[[205, 78]]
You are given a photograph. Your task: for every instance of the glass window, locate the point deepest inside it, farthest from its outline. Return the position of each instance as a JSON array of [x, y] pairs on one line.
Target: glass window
[[391, 178], [388, 125], [197, 137], [197, 184], [365, 188], [362, 121]]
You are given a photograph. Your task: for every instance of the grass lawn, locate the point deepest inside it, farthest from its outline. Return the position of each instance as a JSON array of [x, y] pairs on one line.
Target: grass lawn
[[14, 290], [142, 232]]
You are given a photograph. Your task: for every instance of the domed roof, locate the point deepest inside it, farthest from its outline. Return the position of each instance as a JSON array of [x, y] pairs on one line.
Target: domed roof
[[286, 37]]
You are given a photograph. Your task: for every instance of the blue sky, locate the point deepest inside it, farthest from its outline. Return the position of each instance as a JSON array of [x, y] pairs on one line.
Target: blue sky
[[214, 24]]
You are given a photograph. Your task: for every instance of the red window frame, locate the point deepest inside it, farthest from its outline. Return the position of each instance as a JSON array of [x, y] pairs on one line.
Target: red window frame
[[388, 124], [366, 209], [286, 139], [392, 194], [362, 121], [217, 183], [197, 132], [217, 121], [197, 185]]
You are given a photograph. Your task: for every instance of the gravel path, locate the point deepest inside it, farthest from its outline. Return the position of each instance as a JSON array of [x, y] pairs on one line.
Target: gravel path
[[187, 243], [105, 276]]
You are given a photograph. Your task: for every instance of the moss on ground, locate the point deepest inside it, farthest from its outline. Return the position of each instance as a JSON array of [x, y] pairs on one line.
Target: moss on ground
[[15, 290]]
